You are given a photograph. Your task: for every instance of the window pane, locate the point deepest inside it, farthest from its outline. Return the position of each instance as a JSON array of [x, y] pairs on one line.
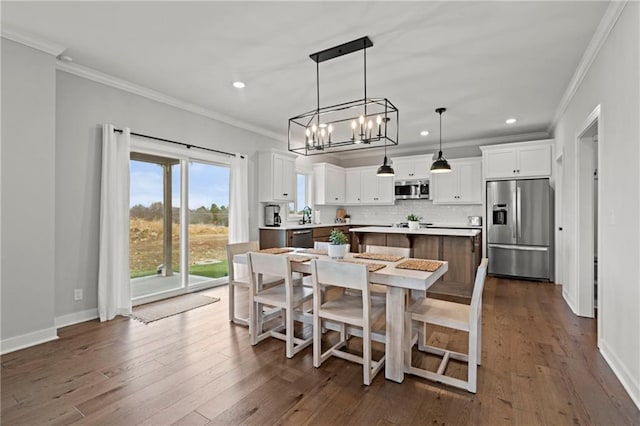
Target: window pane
[[301, 193], [208, 221]]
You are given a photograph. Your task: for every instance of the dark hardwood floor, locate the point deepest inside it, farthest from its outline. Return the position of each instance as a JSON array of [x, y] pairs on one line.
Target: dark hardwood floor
[[540, 365]]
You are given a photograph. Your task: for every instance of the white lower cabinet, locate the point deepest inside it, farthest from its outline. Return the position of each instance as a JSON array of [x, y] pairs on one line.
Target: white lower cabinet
[[463, 185]]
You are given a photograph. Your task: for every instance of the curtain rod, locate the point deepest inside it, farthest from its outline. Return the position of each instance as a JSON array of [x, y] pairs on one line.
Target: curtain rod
[[189, 146]]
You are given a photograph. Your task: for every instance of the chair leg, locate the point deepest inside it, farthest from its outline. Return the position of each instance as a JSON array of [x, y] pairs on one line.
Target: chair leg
[[255, 326], [472, 365], [479, 340], [408, 344], [289, 331], [366, 354], [317, 340], [232, 302]]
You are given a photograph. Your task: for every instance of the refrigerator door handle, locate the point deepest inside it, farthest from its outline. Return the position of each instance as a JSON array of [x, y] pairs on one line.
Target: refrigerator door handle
[[514, 247], [514, 215], [518, 210]]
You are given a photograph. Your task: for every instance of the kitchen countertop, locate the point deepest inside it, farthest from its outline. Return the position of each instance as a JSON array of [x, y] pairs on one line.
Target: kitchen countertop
[[453, 232], [291, 225]]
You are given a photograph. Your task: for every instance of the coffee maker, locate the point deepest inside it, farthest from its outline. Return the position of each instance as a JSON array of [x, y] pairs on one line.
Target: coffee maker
[[272, 215]]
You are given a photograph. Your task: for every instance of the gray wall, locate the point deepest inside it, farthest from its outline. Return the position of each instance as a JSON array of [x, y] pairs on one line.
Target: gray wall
[[28, 205], [82, 106]]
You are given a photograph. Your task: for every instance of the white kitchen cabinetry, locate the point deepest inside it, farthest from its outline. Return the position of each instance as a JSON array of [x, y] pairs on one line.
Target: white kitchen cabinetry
[[329, 184], [412, 168], [517, 160], [363, 186], [463, 185], [277, 173]]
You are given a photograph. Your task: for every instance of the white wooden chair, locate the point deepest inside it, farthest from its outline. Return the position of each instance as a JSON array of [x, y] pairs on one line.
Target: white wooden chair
[[361, 310], [239, 277], [287, 296], [394, 251], [451, 315]]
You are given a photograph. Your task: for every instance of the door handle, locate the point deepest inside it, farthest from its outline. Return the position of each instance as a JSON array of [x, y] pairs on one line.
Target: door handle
[[518, 211], [513, 194]]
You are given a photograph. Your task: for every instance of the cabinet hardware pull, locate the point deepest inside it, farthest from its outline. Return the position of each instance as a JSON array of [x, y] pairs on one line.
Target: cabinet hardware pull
[[286, 195]]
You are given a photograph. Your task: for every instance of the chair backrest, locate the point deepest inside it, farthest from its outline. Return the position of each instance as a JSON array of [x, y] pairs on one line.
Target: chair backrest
[[268, 264], [393, 251], [478, 286], [321, 245], [239, 248], [340, 274]]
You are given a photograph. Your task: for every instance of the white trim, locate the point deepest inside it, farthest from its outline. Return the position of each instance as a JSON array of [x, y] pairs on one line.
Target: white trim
[[32, 41], [629, 383], [600, 36], [108, 80], [567, 298], [421, 148], [27, 340], [76, 317], [587, 311], [179, 152]]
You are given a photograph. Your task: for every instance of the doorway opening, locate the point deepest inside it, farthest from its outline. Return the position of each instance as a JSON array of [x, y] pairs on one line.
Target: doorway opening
[[588, 280], [178, 225]]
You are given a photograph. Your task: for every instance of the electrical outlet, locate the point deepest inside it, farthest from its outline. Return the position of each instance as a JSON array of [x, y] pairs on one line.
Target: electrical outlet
[[77, 294]]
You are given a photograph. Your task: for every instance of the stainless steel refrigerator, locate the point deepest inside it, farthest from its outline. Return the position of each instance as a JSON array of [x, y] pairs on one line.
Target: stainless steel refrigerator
[[520, 228]]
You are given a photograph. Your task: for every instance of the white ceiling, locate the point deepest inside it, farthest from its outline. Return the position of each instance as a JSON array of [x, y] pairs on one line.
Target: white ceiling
[[484, 61]]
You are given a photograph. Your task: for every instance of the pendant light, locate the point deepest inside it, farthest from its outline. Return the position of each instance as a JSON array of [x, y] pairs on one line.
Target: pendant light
[[441, 165], [385, 169]]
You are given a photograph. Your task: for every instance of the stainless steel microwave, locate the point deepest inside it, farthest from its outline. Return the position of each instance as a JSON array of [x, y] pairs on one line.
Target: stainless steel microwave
[[412, 190]]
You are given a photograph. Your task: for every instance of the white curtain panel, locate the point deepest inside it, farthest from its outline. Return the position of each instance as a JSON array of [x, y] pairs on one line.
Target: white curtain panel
[[239, 200], [114, 286]]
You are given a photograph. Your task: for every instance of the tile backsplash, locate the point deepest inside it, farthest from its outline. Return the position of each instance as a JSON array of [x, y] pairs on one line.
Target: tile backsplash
[[442, 214]]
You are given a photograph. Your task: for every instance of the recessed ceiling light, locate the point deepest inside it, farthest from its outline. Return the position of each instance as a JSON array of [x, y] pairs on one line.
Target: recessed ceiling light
[[510, 120], [424, 133], [238, 84]]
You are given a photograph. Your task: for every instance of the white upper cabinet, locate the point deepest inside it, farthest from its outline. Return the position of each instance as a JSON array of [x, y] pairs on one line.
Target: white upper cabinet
[[352, 186], [463, 185], [277, 174], [329, 184], [517, 160], [412, 168], [375, 189]]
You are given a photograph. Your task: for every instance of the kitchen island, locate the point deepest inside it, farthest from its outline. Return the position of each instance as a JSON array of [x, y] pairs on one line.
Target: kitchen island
[[460, 247]]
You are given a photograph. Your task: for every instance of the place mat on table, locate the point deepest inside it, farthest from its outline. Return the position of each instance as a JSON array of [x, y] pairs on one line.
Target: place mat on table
[[420, 265], [373, 267], [301, 259], [315, 251], [379, 256], [276, 250]]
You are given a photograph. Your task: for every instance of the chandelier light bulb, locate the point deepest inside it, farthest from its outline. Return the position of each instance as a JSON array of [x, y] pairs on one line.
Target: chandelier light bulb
[[330, 128], [361, 119], [314, 128]]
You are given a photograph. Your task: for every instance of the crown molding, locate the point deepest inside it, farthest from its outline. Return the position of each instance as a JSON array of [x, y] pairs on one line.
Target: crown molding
[[415, 149], [108, 80], [32, 41], [600, 36]]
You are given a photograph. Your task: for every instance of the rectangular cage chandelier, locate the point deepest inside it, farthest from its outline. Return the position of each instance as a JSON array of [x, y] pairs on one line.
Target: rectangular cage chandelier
[[359, 124]]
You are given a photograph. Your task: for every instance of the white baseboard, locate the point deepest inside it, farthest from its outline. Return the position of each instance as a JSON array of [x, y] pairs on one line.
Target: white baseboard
[[629, 383], [569, 300], [76, 317], [26, 340]]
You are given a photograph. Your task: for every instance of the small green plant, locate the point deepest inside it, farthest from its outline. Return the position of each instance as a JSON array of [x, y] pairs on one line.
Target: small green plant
[[338, 237], [413, 218]]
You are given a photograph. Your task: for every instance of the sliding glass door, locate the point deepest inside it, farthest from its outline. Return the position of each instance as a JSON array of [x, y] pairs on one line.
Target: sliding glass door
[[178, 225]]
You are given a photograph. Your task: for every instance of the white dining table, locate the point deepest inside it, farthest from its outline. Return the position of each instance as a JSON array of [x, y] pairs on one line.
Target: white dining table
[[397, 281]]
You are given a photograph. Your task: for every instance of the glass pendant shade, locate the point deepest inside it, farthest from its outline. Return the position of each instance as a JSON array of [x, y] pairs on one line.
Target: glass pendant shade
[[441, 165], [385, 169]]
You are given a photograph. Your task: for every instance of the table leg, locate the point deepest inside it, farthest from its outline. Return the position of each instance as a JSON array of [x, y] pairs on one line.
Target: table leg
[[394, 366]]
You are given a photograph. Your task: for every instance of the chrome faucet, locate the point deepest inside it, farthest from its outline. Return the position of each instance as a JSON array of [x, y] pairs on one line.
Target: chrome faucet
[[306, 215]]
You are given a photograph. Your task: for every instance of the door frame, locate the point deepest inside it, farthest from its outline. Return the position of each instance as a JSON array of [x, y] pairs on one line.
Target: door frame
[[583, 265]]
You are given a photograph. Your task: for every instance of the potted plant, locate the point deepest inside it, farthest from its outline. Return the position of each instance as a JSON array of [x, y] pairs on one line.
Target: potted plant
[[347, 218], [414, 221], [338, 247]]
